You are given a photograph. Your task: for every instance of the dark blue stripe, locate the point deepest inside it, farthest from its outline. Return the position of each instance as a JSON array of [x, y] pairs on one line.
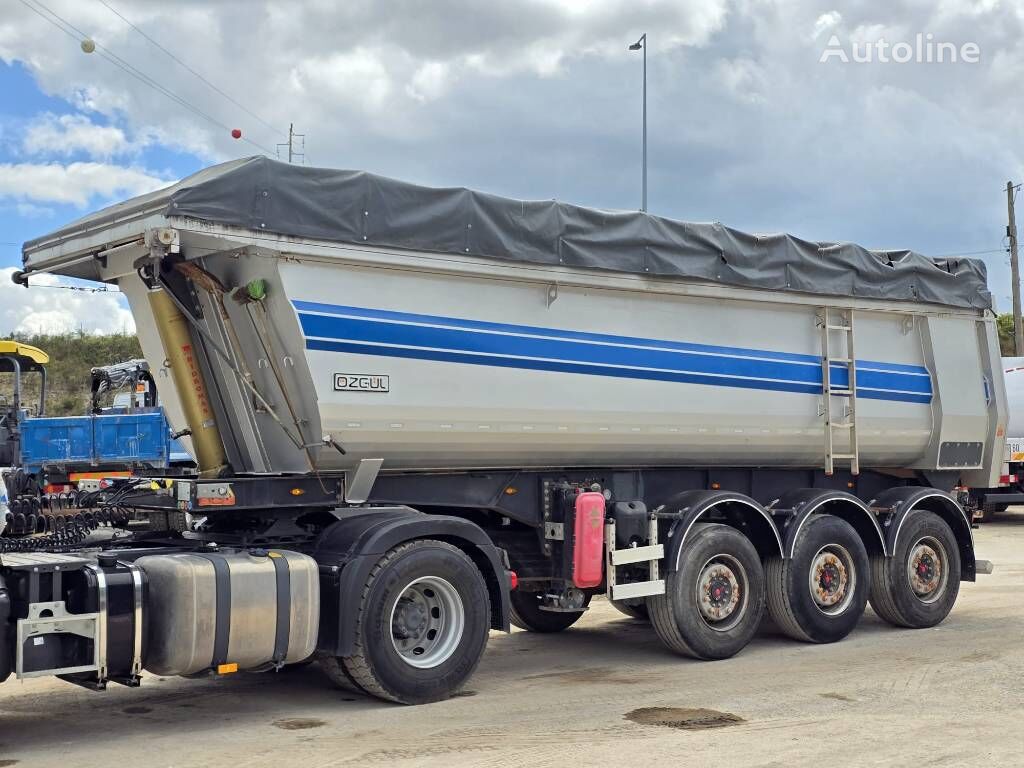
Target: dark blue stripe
[[459, 340], [505, 345], [480, 325], [566, 367]]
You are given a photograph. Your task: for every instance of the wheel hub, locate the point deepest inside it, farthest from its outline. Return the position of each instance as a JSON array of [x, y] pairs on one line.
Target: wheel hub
[[831, 579], [718, 592], [427, 622], [925, 569]]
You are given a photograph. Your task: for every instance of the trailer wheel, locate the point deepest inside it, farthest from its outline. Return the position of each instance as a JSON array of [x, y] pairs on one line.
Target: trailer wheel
[[713, 604], [918, 585], [818, 595], [525, 612], [635, 609], [423, 622]]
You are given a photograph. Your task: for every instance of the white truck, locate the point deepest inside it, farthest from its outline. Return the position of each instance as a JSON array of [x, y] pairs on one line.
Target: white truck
[[458, 411], [984, 502]]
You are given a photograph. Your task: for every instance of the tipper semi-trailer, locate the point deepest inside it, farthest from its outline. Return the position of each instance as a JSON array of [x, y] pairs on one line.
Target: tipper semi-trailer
[[423, 414]]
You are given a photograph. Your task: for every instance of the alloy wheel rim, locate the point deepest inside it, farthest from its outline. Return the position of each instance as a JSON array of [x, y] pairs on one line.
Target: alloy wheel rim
[[427, 622]]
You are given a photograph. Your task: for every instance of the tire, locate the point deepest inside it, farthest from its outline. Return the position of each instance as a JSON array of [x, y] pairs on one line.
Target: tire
[[635, 610], [423, 622], [819, 594], [525, 612], [714, 557], [893, 595], [334, 668]]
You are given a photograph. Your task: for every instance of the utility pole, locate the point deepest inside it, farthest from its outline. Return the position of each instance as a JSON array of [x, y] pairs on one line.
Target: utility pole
[[1011, 233], [641, 44], [296, 150]]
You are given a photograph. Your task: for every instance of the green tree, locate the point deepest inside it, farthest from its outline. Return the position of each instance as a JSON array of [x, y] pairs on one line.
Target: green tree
[[1006, 336], [72, 358]]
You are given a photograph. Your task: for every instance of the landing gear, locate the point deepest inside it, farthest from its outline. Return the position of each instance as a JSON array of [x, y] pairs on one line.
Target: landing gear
[[918, 585], [818, 595], [989, 511], [422, 626], [713, 604]]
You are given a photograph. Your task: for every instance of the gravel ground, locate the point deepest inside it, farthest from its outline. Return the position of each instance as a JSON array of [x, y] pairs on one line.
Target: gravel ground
[[604, 692]]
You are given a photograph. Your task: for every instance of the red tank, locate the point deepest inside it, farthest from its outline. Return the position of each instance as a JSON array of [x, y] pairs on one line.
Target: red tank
[[588, 542]]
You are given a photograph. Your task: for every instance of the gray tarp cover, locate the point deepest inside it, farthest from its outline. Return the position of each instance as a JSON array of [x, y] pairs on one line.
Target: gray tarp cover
[[358, 207]]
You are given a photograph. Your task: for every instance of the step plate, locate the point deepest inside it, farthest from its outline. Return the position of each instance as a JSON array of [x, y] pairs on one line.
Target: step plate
[[638, 589]]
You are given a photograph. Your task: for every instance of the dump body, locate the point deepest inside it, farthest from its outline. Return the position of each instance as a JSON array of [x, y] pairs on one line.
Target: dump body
[[444, 360], [80, 442]]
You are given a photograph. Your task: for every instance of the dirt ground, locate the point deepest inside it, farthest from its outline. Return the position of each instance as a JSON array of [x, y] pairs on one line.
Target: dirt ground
[[602, 693]]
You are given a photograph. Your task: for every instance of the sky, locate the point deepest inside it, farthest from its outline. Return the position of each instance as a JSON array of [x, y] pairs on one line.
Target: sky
[[536, 99]]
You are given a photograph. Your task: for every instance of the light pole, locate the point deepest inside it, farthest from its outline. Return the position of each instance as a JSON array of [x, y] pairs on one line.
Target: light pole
[[641, 44]]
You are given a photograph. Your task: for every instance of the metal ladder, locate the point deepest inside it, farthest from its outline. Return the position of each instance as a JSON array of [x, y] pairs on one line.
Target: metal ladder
[[847, 422]]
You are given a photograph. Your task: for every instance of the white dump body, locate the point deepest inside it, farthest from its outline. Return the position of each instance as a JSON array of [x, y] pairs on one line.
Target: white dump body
[[435, 361], [450, 329]]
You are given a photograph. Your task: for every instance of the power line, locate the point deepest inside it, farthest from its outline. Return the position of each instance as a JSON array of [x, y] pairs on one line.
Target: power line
[[79, 288], [188, 68], [967, 253], [77, 34]]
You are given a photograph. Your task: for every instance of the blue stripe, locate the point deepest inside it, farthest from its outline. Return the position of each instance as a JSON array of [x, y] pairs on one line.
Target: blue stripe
[[426, 337]]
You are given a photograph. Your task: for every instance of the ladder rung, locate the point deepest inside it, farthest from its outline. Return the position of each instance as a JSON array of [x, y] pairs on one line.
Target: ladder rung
[[847, 425], [844, 360], [840, 393], [839, 327], [844, 456]]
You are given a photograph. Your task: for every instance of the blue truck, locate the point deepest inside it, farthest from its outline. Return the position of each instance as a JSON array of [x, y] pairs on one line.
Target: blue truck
[[129, 436]]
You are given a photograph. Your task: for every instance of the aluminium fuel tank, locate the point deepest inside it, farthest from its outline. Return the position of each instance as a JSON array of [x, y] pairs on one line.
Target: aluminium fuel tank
[[249, 609]]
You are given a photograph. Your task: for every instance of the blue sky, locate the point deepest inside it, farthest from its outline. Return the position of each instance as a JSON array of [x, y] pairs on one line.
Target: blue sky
[[538, 99], [23, 101]]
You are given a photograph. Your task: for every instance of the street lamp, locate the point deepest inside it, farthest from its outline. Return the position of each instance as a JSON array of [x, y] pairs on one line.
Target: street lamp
[[641, 44]]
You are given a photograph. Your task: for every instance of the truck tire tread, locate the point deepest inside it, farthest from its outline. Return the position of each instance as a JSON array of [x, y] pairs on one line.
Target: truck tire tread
[[779, 604], [672, 627], [881, 598], [358, 667], [890, 594]]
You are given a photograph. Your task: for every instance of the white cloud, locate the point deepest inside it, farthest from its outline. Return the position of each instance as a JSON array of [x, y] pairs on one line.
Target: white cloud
[[826, 22], [32, 211], [75, 183], [67, 135], [430, 81], [43, 309], [540, 98], [358, 77]]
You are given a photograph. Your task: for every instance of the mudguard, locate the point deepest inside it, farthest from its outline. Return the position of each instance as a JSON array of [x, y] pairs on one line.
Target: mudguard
[[804, 502], [742, 511], [900, 502], [348, 550]]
